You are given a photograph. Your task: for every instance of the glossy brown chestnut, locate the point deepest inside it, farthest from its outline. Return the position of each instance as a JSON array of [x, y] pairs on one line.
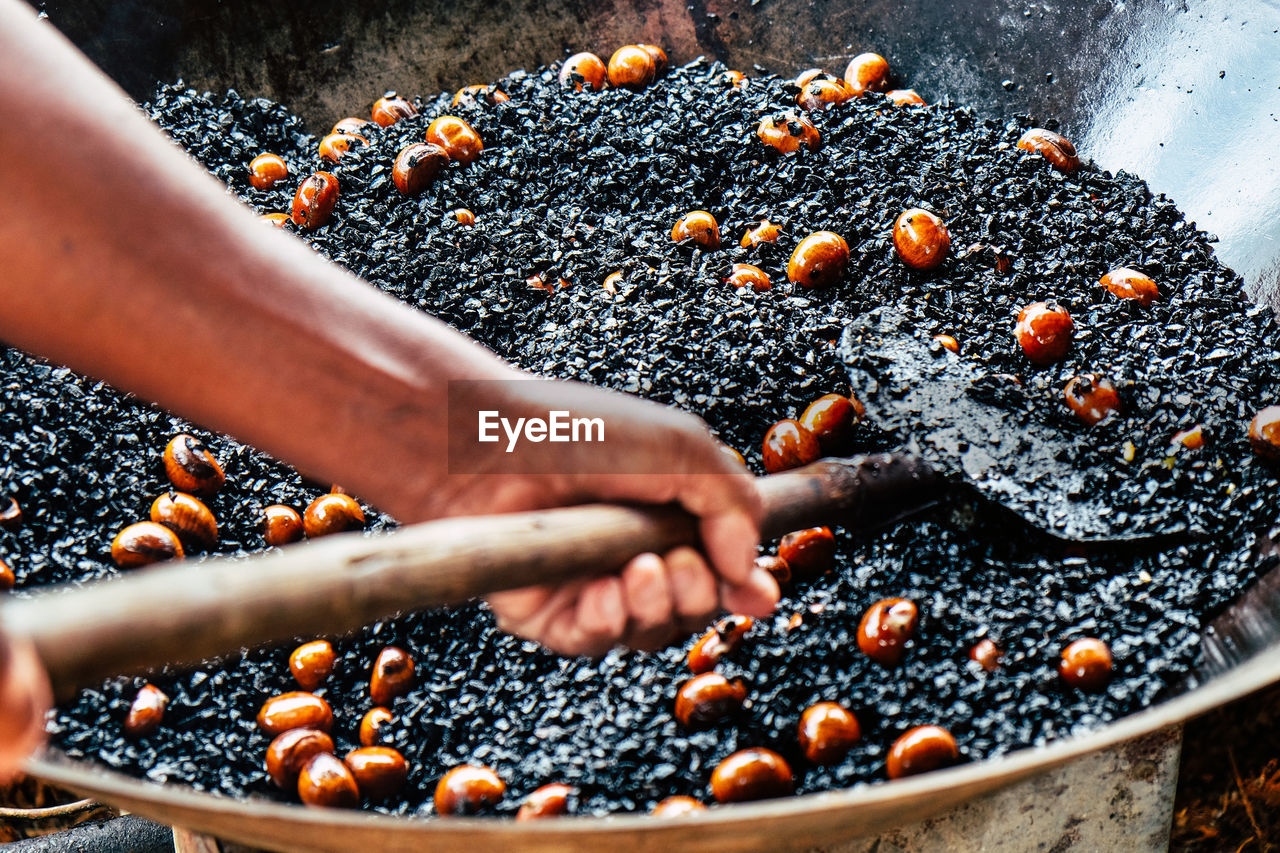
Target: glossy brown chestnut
[[416, 166], [658, 55], [290, 751], [775, 566], [1055, 148], [707, 699], [281, 525], [752, 774], [788, 445], [832, 418], [1264, 433], [677, 806], [266, 169], [867, 72], [823, 93], [905, 98], [632, 67], [459, 139], [336, 145], [312, 663], [390, 108], [1191, 438], [191, 466], [350, 125], [1092, 397], [1044, 332], [788, 132], [296, 710], [1131, 284], [611, 282], [380, 771], [921, 239], [920, 750], [147, 711], [329, 514], [276, 219], [372, 724], [819, 260], [948, 343], [746, 275], [8, 580], [326, 782], [478, 94], [736, 79], [315, 200], [187, 516], [10, 514], [700, 227], [548, 801], [810, 552], [763, 231], [986, 654], [827, 732], [885, 629], [733, 454], [464, 216], [144, 543], [467, 789], [583, 71], [1086, 665], [392, 675], [804, 78], [723, 638]]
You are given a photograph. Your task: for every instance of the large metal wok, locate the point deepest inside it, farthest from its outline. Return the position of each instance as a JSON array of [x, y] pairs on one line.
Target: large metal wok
[[1184, 95]]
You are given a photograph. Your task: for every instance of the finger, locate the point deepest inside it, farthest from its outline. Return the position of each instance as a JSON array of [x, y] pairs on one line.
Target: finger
[[534, 625], [731, 541], [649, 602], [757, 597], [693, 588], [602, 614], [24, 698], [517, 606]]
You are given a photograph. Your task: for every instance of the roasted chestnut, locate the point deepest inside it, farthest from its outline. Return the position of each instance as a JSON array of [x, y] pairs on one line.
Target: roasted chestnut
[[291, 750], [186, 516], [819, 260], [276, 219], [1131, 284], [810, 552], [336, 145], [467, 789], [281, 525], [677, 806], [548, 801], [390, 108], [986, 654], [787, 445], [1191, 438], [296, 710], [144, 543], [479, 93], [266, 169], [330, 514], [1044, 331], [459, 139], [312, 664], [147, 711], [804, 78], [392, 675], [1086, 664], [658, 55], [733, 454], [352, 125], [885, 629], [867, 72], [948, 343], [611, 282], [920, 750], [788, 132], [8, 580], [763, 231], [328, 783], [315, 200], [380, 771], [583, 71], [775, 566], [631, 66], [736, 79], [823, 93], [832, 418], [827, 732], [372, 724], [746, 275], [700, 227], [416, 166], [464, 216], [1092, 397], [1055, 148], [921, 239], [722, 639], [905, 98], [191, 467], [1264, 433], [707, 699], [752, 774], [10, 514]]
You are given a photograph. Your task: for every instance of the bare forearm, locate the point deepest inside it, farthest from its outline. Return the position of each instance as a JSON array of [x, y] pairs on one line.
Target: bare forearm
[[123, 259]]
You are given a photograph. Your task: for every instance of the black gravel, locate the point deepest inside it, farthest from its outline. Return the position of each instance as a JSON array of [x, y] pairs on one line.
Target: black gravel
[[576, 186]]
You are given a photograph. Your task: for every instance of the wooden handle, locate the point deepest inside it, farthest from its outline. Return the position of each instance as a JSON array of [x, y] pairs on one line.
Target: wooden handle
[[183, 613]]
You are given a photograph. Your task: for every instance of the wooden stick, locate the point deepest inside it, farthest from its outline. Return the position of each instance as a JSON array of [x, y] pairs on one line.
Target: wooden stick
[[183, 613]]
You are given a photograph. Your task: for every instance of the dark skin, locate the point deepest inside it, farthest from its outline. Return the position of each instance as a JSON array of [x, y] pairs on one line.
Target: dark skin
[[117, 247]]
